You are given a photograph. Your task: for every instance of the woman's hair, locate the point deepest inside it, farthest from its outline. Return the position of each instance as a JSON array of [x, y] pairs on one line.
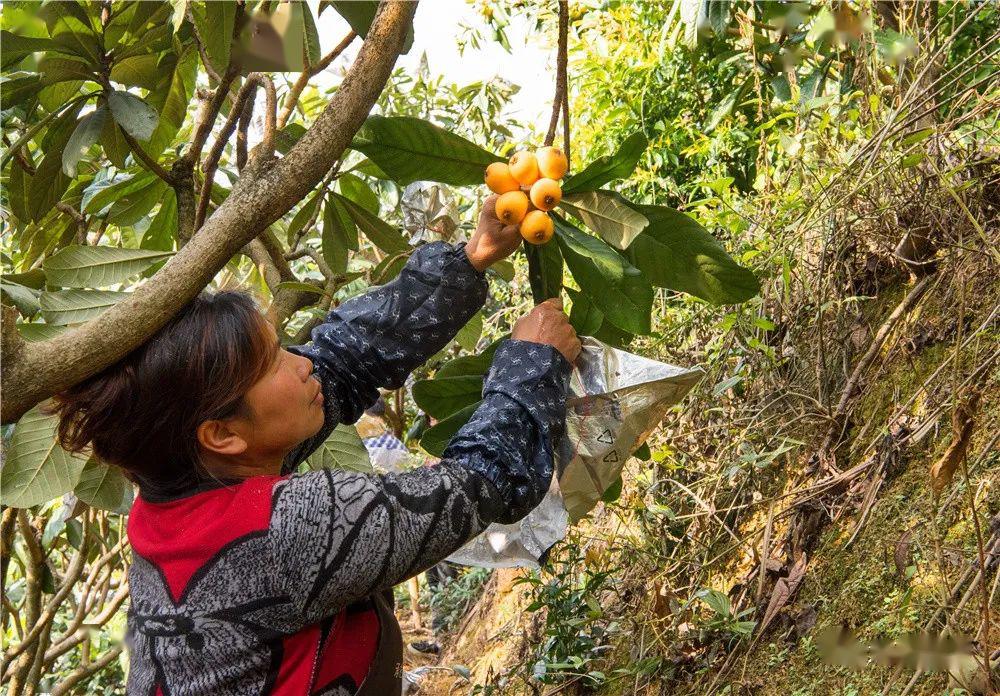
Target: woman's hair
[[142, 413]]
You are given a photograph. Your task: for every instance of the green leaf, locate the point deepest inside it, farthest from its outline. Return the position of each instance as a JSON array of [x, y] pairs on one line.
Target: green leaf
[[916, 137], [360, 14], [468, 335], [583, 315], [52, 97], [107, 195], [39, 331], [25, 299], [411, 149], [137, 71], [380, 233], [97, 266], [728, 105], [161, 231], [545, 270], [55, 69], [70, 28], [18, 188], [342, 450], [285, 139], [37, 469], [618, 288], [134, 115], [339, 235], [214, 21], [444, 396], [503, 269], [608, 214], [436, 438], [49, 183], [105, 487], [88, 130], [613, 492], [608, 168], [17, 91], [35, 278], [469, 364], [310, 40], [14, 48], [113, 142], [135, 206], [676, 252], [302, 216], [75, 306], [177, 96], [354, 188]]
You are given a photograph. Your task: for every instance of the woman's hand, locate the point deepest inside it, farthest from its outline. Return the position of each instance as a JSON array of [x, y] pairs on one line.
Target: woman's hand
[[547, 323], [493, 241]]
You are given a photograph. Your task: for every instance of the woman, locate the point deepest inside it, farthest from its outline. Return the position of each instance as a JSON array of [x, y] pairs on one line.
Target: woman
[[250, 579]]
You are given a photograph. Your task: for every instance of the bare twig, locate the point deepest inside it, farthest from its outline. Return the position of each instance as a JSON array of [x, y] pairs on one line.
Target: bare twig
[[151, 164], [561, 61], [292, 98]]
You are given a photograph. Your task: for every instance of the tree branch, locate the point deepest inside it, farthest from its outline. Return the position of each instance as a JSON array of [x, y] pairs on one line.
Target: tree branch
[[561, 60], [258, 199], [246, 94], [151, 164], [292, 98], [208, 114]]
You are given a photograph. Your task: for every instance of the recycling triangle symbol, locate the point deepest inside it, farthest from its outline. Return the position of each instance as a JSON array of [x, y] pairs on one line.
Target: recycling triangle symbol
[[606, 437], [611, 457]]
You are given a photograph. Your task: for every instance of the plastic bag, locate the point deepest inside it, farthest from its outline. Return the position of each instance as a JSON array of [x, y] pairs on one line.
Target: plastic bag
[[429, 212], [616, 399]]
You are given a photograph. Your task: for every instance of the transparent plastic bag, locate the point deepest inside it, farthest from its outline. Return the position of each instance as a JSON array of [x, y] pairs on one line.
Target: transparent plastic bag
[[616, 399]]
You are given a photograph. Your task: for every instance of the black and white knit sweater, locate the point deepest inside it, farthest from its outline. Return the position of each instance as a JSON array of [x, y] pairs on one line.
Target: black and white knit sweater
[[276, 584]]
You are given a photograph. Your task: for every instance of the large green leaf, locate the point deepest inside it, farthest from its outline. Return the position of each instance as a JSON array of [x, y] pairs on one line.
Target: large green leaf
[[39, 332], [436, 438], [583, 315], [411, 149], [177, 90], [618, 288], [14, 48], [136, 205], [357, 190], [71, 29], [545, 270], [214, 20], [24, 298], [134, 115], [676, 252], [468, 336], [609, 167], [310, 39], [137, 71], [608, 214], [75, 306], [88, 130], [381, 233], [343, 449], [160, 233], [340, 234], [101, 196], [37, 469], [360, 14], [114, 144], [442, 396], [470, 364], [105, 487], [303, 215], [49, 183], [97, 266]]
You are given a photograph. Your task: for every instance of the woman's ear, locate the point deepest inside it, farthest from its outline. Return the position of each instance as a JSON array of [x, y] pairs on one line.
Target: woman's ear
[[217, 436]]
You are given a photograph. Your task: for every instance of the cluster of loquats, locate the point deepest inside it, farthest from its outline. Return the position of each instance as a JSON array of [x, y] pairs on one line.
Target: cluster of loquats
[[529, 187]]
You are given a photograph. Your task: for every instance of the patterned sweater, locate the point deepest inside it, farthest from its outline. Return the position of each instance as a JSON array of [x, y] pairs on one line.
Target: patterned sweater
[[272, 585]]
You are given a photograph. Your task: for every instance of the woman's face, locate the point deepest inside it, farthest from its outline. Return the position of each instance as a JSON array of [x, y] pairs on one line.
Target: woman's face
[[286, 406]]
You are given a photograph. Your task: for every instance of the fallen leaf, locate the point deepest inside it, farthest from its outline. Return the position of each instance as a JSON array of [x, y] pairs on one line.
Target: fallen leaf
[[784, 589], [962, 425]]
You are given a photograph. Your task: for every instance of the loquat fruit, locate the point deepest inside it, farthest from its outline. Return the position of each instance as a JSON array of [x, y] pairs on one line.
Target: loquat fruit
[[545, 194], [537, 227], [512, 207], [499, 180], [552, 162], [524, 168]]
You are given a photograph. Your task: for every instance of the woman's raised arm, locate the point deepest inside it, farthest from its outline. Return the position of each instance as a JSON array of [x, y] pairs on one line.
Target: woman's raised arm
[[376, 340], [337, 537]]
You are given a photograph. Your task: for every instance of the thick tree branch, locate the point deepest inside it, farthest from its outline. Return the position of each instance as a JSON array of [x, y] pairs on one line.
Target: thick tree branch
[[259, 198], [208, 113], [292, 98]]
